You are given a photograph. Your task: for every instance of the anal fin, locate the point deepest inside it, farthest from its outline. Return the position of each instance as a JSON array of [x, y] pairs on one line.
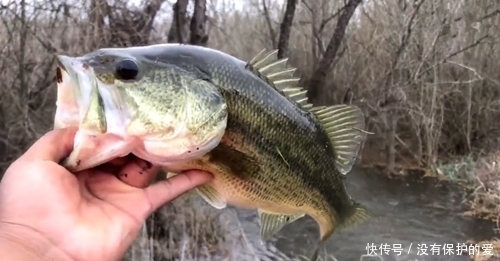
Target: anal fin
[[271, 223], [211, 196], [355, 214]]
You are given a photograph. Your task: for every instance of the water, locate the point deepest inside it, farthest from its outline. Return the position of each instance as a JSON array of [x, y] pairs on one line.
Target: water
[[410, 212]]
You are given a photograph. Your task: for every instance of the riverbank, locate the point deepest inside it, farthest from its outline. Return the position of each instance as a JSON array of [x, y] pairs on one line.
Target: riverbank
[[478, 176]]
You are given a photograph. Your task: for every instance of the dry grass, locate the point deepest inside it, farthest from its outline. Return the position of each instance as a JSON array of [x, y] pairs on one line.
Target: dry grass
[[189, 229], [426, 76], [183, 230], [485, 201]]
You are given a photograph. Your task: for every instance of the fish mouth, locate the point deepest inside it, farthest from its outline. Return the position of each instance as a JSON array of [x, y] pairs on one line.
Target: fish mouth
[[63, 75], [68, 100], [66, 75], [65, 64], [78, 78], [60, 68]]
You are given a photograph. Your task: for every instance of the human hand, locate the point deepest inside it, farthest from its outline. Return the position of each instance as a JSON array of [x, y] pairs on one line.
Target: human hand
[[51, 213]]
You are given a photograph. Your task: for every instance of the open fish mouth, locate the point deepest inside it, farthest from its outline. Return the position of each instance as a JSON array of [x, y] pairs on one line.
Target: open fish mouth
[[116, 118], [80, 104], [67, 108], [74, 90]]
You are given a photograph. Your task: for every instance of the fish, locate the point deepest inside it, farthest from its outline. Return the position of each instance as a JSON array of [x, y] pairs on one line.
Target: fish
[[274, 151], [131, 105]]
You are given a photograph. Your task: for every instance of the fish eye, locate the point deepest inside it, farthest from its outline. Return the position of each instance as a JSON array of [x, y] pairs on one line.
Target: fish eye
[[126, 70]]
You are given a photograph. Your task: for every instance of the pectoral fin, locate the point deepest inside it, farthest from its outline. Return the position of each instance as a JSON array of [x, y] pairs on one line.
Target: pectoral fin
[[210, 195], [207, 192], [271, 223], [234, 162], [169, 174]]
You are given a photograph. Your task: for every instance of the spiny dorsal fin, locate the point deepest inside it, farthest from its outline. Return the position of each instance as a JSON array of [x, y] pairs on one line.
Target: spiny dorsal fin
[[344, 124], [279, 75]]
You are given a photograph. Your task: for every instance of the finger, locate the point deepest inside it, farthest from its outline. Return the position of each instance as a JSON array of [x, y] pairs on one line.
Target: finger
[[138, 173], [54, 145], [165, 191]]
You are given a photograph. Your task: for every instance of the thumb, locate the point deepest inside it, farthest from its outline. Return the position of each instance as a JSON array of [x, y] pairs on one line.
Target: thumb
[[55, 145], [167, 190]]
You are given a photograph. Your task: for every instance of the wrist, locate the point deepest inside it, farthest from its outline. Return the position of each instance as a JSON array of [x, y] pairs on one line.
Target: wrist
[[19, 243]]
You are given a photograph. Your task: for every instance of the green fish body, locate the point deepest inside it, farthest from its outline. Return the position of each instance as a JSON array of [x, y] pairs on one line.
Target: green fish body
[[278, 154]]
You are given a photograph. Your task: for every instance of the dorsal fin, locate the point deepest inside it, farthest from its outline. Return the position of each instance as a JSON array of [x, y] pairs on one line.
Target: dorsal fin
[[279, 75], [345, 127], [344, 123]]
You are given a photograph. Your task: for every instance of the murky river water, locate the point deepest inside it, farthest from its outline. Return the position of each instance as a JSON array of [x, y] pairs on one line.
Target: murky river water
[[409, 213]]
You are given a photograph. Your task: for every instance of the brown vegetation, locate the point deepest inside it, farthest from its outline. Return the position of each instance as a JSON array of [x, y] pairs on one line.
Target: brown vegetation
[[425, 72], [198, 232], [197, 235]]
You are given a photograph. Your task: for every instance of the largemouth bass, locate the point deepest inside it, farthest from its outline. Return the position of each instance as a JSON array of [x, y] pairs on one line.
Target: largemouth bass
[[267, 147]]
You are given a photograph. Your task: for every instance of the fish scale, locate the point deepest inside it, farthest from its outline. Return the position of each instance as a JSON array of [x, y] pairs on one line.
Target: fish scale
[[294, 152], [279, 154]]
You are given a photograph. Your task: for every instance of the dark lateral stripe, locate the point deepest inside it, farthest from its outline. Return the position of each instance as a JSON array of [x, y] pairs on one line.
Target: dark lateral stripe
[[301, 165]]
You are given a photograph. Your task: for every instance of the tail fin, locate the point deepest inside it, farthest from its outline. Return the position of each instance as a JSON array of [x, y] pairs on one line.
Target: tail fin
[[354, 214]]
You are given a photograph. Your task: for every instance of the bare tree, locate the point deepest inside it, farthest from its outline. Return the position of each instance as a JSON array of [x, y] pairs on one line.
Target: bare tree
[[286, 27], [178, 28], [325, 64], [270, 25], [198, 27], [98, 11], [390, 119], [132, 26]]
